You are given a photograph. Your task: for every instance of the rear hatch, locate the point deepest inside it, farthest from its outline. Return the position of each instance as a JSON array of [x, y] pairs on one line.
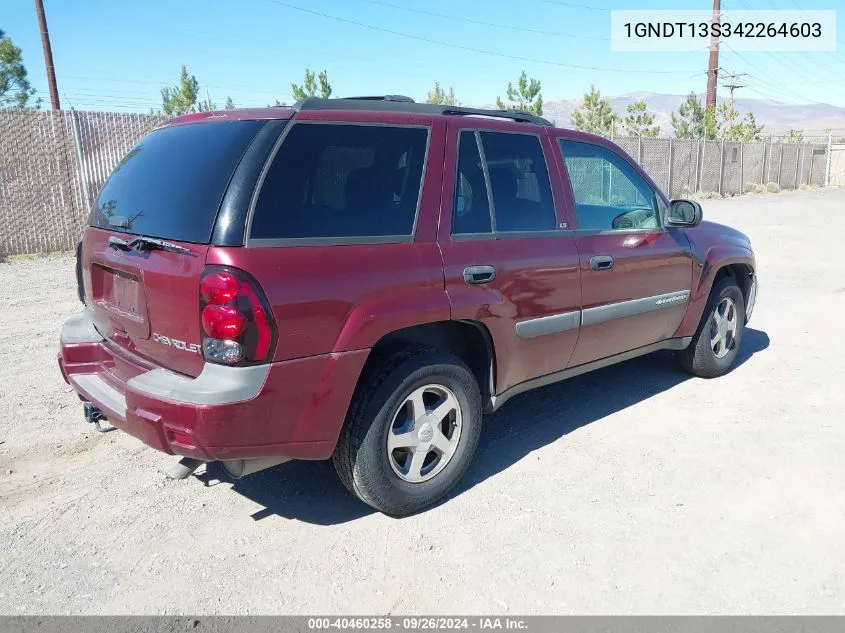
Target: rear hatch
[[149, 232]]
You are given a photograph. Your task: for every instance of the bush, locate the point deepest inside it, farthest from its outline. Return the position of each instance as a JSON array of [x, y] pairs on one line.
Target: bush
[[708, 195], [772, 187], [753, 187]]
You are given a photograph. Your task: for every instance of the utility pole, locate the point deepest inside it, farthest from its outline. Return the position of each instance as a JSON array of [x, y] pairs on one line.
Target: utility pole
[[731, 84], [713, 66], [48, 56]]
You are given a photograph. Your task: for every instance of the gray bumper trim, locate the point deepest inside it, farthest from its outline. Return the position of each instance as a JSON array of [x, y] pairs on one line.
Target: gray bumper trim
[[215, 385], [80, 329], [102, 394]]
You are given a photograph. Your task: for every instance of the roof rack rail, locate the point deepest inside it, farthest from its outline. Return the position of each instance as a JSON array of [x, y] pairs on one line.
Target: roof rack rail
[[399, 103], [517, 115], [401, 98]]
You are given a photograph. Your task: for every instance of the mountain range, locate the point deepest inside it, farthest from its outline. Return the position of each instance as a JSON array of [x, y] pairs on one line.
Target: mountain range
[[813, 119]]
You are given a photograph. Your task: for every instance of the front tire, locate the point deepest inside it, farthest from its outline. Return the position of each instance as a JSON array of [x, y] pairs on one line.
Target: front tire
[[411, 431], [715, 345]]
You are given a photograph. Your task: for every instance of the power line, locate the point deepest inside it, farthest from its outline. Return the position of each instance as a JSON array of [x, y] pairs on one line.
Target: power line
[[786, 61], [492, 24], [764, 74], [576, 5], [774, 92], [162, 84], [731, 83], [465, 48], [797, 6]]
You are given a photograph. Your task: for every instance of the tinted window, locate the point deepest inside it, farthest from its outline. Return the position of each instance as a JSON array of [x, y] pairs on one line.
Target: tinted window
[[471, 210], [519, 181], [608, 192], [171, 183], [342, 181]]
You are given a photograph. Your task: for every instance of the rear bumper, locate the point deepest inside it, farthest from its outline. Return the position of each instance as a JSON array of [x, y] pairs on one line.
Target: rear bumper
[[288, 409]]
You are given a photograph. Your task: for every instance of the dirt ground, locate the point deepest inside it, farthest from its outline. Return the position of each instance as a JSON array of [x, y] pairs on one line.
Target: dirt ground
[[632, 490]]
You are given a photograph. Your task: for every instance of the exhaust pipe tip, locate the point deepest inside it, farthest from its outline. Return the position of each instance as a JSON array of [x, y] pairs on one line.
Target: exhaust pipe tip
[[184, 468], [237, 468]]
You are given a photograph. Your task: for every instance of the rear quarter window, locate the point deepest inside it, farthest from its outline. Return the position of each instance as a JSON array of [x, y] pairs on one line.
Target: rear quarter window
[[170, 185], [340, 181]]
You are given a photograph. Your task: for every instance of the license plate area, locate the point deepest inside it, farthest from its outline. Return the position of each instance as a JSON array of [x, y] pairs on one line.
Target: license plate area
[[118, 292]]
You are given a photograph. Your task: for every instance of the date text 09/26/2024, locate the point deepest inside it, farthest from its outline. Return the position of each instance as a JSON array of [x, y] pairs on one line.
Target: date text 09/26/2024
[[420, 623]]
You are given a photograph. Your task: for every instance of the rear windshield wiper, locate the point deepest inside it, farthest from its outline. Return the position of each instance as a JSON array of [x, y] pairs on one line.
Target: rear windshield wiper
[[142, 243]]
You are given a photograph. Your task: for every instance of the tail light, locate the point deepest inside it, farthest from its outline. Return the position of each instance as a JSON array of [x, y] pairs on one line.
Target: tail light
[[237, 325]]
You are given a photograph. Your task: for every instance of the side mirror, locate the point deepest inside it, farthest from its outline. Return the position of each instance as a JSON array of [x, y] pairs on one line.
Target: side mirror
[[684, 213]]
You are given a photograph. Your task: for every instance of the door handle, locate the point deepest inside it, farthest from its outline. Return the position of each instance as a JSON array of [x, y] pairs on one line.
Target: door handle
[[601, 262], [479, 274]]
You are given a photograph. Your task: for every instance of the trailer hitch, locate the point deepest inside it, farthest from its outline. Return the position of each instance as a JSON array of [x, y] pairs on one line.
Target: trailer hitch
[[96, 417]]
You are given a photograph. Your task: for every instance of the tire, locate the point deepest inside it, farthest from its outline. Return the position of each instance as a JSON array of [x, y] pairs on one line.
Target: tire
[[702, 358], [382, 411]]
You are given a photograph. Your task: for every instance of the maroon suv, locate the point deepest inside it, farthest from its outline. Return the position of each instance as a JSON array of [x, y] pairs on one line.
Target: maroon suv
[[360, 279]]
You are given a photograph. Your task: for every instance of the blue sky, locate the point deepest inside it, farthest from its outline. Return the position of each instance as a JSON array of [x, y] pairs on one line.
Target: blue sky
[[117, 54]]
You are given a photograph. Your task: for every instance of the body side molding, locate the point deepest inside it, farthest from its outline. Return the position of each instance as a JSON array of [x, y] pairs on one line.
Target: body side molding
[[551, 324], [632, 307]]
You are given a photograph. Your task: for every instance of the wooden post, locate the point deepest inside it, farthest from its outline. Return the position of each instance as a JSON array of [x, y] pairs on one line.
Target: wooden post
[[827, 159], [669, 185]]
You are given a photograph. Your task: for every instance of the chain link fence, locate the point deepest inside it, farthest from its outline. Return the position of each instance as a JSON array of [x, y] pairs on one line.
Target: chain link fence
[[52, 165], [683, 167]]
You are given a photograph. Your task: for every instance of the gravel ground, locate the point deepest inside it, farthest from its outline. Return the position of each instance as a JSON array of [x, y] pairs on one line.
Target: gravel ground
[[632, 490]]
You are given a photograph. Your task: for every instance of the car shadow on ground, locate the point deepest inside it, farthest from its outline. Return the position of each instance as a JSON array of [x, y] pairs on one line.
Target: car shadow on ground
[[534, 419], [311, 492]]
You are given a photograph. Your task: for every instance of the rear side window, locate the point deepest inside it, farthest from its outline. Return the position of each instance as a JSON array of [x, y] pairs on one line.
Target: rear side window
[[471, 210], [519, 181], [171, 183], [342, 181]]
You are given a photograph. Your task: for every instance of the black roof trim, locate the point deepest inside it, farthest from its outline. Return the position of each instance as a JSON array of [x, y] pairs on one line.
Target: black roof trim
[[398, 103], [402, 98]]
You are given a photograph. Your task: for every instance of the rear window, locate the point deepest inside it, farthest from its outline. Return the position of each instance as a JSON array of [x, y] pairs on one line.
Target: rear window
[[338, 181], [171, 183]]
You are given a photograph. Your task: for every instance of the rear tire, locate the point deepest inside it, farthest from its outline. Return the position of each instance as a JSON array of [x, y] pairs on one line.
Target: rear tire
[[715, 345], [411, 431]]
